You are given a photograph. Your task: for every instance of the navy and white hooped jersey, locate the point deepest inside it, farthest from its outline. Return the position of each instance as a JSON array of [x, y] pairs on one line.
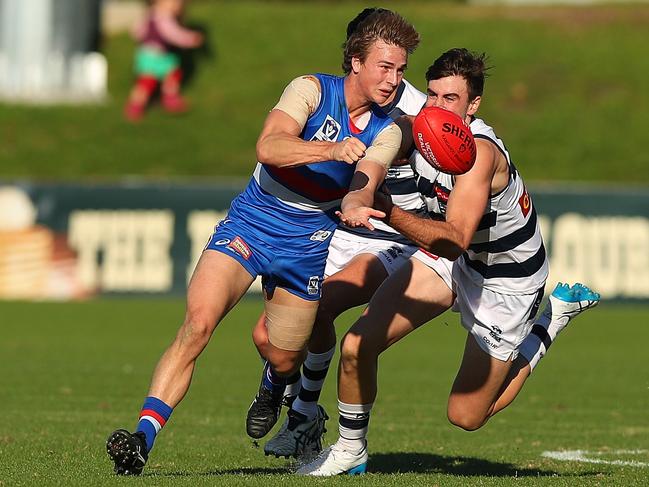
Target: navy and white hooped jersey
[[321, 186], [400, 180], [506, 254]]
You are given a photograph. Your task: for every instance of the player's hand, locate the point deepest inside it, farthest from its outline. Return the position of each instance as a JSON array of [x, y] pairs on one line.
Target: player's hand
[[350, 150], [359, 217], [383, 200]]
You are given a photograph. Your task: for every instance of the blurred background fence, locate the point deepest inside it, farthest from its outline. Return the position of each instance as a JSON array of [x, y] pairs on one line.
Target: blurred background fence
[[567, 93]]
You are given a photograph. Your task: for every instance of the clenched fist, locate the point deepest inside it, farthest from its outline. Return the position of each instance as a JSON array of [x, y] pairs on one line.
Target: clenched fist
[[350, 150]]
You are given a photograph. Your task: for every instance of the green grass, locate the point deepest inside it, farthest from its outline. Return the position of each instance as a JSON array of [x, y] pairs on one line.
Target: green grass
[[566, 93], [71, 373]]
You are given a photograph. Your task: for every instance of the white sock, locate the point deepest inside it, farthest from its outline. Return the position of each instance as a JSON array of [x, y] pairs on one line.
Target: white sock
[[353, 425], [541, 335]]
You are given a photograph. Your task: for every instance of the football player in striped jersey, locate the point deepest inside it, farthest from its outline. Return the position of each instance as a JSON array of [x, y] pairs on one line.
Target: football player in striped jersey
[[485, 259]]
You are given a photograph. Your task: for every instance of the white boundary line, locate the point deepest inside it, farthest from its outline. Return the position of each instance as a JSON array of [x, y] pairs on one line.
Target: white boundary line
[[584, 456]]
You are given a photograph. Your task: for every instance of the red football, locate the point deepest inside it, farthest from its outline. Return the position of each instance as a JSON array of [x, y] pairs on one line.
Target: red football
[[444, 140]]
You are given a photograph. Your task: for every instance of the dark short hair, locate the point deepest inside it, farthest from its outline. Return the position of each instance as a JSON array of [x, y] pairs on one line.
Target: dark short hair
[[459, 61], [353, 24], [371, 25]]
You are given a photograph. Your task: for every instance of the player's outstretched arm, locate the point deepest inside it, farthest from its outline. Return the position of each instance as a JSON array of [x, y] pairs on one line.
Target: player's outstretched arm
[[466, 205], [356, 207]]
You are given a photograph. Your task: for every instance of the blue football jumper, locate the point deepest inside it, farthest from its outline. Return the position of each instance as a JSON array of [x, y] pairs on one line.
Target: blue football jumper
[[279, 227]]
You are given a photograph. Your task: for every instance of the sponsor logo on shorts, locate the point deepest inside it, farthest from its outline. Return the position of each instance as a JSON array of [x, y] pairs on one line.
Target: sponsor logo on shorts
[[313, 287], [320, 236], [328, 131], [490, 343], [225, 221], [240, 247], [495, 333], [222, 241], [392, 253]]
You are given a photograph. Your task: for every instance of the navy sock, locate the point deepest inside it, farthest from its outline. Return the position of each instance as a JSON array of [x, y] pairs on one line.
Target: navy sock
[[272, 381]]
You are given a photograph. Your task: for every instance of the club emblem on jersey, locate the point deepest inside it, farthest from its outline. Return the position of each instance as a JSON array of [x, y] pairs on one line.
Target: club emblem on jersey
[[314, 285], [525, 202], [328, 131], [240, 247]]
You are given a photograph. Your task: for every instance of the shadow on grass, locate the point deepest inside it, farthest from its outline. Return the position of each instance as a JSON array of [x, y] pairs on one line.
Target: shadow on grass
[[225, 471], [407, 462], [404, 462]]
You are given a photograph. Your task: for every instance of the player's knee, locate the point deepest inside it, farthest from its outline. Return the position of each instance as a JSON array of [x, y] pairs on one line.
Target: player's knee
[[355, 348], [463, 417], [327, 312], [260, 337], [285, 363], [198, 326]]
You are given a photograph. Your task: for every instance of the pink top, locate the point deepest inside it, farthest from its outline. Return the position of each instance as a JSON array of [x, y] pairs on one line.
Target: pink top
[[160, 30]]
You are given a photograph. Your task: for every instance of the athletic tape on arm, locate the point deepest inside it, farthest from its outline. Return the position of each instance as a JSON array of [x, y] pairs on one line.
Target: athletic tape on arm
[[300, 98], [385, 146]]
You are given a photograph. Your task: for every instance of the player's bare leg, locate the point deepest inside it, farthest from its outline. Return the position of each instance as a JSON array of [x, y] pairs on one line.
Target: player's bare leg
[[301, 433], [288, 322], [476, 387], [412, 296], [216, 286], [564, 304]]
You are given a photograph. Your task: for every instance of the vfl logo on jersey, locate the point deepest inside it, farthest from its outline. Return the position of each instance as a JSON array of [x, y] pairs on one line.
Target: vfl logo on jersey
[[328, 131], [525, 202], [320, 236], [240, 247], [313, 287]]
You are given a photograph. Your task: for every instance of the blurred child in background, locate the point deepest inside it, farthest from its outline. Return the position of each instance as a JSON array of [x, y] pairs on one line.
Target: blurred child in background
[[160, 34]]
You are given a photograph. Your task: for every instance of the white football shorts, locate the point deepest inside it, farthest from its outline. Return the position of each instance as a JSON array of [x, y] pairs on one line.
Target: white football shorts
[[498, 322], [344, 246]]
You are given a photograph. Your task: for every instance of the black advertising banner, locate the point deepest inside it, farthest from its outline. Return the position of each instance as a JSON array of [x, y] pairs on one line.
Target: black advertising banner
[[75, 241]]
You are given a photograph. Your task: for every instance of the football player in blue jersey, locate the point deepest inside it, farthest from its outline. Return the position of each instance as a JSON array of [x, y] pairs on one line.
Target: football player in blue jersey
[[485, 258], [358, 261], [325, 146]]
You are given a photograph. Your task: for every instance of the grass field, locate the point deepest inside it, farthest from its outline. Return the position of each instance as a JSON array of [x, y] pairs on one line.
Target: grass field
[[71, 373], [566, 93]]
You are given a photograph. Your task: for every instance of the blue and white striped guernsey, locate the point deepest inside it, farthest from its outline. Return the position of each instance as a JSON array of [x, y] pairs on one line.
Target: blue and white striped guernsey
[[506, 254]]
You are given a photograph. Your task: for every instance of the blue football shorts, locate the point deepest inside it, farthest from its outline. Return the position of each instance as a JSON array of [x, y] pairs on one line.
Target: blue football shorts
[[286, 246]]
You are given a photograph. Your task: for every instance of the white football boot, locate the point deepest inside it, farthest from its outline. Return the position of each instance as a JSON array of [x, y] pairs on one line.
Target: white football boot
[[298, 437], [566, 302], [336, 461]]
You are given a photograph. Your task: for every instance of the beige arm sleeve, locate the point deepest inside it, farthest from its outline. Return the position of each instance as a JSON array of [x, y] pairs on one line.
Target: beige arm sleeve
[[300, 98], [385, 147]]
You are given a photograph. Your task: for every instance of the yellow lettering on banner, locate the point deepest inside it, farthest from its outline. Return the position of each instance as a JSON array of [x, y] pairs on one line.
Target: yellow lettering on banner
[[127, 250], [636, 259], [610, 254]]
